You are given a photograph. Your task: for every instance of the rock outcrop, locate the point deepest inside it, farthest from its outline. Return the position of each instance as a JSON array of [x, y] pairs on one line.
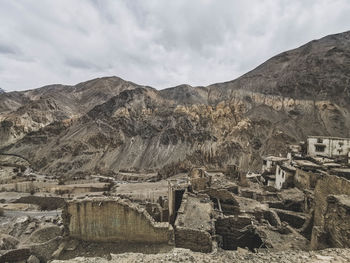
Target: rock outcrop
[[105, 125]]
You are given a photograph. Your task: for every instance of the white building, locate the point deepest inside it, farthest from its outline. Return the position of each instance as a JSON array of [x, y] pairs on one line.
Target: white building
[[284, 176], [328, 146], [270, 162]]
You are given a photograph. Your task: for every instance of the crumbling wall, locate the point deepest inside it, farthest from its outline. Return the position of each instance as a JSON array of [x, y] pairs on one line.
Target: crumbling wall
[[328, 185], [194, 239], [26, 187], [193, 225], [228, 204], [306, 179], [294, 219], [322, 233], [337, 220], [113, 220], [200, 180]]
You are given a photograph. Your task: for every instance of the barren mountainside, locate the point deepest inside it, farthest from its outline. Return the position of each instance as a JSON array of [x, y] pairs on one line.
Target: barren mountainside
[[108, 124]]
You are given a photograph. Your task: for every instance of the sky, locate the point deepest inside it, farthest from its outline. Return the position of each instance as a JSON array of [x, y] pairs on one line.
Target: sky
[[155, 42]]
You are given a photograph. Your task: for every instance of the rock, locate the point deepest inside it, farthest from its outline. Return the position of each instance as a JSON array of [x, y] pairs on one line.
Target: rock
[[44, 234], [45, 250], [8, 242], [33, 259], [15, 255], [242, 251]]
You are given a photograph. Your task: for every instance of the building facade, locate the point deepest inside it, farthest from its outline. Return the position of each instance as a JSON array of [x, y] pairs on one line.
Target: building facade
[[284, 176], [328, 146]]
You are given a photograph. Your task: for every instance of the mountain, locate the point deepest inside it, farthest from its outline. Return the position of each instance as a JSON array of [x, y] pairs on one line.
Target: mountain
[[108, 124], [2, 91], [25, 112]]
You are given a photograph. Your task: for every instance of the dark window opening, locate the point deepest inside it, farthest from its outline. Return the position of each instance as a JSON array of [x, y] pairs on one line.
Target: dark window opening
[[178, 200], [320, 148], [319, 140]]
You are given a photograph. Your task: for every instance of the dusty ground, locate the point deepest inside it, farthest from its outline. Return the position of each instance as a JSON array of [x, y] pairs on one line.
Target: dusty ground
[[143, 191], [146, 190], [184, 255]]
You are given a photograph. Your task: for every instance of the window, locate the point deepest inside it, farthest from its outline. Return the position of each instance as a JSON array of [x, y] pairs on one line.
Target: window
[[319, 140], [320, 148], [264, 162]]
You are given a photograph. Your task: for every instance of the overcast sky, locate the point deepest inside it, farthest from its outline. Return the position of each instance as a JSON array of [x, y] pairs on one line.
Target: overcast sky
[[154, 42]]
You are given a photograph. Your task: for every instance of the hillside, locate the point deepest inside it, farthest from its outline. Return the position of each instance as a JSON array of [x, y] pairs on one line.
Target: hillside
[[108, 124]]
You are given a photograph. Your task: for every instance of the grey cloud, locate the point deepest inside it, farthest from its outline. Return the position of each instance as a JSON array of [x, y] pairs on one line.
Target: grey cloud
[[80, 64], [7, 49], [154, 42]]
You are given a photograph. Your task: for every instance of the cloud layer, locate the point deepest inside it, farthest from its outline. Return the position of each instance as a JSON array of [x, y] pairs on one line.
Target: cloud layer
[[156, 43]]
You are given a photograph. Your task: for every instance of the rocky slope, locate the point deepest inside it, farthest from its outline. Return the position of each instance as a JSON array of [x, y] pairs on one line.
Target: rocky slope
[[108, 124], [29, 111]]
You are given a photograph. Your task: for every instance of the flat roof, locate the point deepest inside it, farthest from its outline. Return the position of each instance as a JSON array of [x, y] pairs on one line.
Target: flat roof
[[341, 170], [332, 164], [306, 163], [275, 158], [328, 137], [287, 167]]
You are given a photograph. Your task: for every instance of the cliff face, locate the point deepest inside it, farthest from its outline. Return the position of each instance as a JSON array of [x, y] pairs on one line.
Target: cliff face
[[25, 112], [109, 124]]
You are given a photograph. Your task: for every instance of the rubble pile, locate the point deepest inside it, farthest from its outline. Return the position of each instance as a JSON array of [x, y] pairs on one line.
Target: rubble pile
[[295, 205]]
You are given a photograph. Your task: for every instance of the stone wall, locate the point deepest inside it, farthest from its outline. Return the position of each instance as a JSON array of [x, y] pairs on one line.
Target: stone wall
[[328, 185], [294, 219], [330, 218], [306, 179], [106, 219], [194, 239], [337, 220], [228, 204], [193, 225]]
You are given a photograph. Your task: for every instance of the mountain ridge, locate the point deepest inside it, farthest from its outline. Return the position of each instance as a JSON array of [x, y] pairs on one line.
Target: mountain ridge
[[108, 124]]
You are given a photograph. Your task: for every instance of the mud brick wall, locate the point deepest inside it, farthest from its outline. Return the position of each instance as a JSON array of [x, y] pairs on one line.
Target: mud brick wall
[[113, 220], [337, 220], [306, 180], [193, 239], [328, 229], [328, 185]]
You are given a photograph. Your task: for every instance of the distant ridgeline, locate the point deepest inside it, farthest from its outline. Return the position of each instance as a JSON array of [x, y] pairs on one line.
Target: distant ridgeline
[[2, 90]]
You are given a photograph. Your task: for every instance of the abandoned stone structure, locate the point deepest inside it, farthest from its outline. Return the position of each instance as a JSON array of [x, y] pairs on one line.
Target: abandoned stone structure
[[323, 174], [194, 226], [105, 219], [298, 202]]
